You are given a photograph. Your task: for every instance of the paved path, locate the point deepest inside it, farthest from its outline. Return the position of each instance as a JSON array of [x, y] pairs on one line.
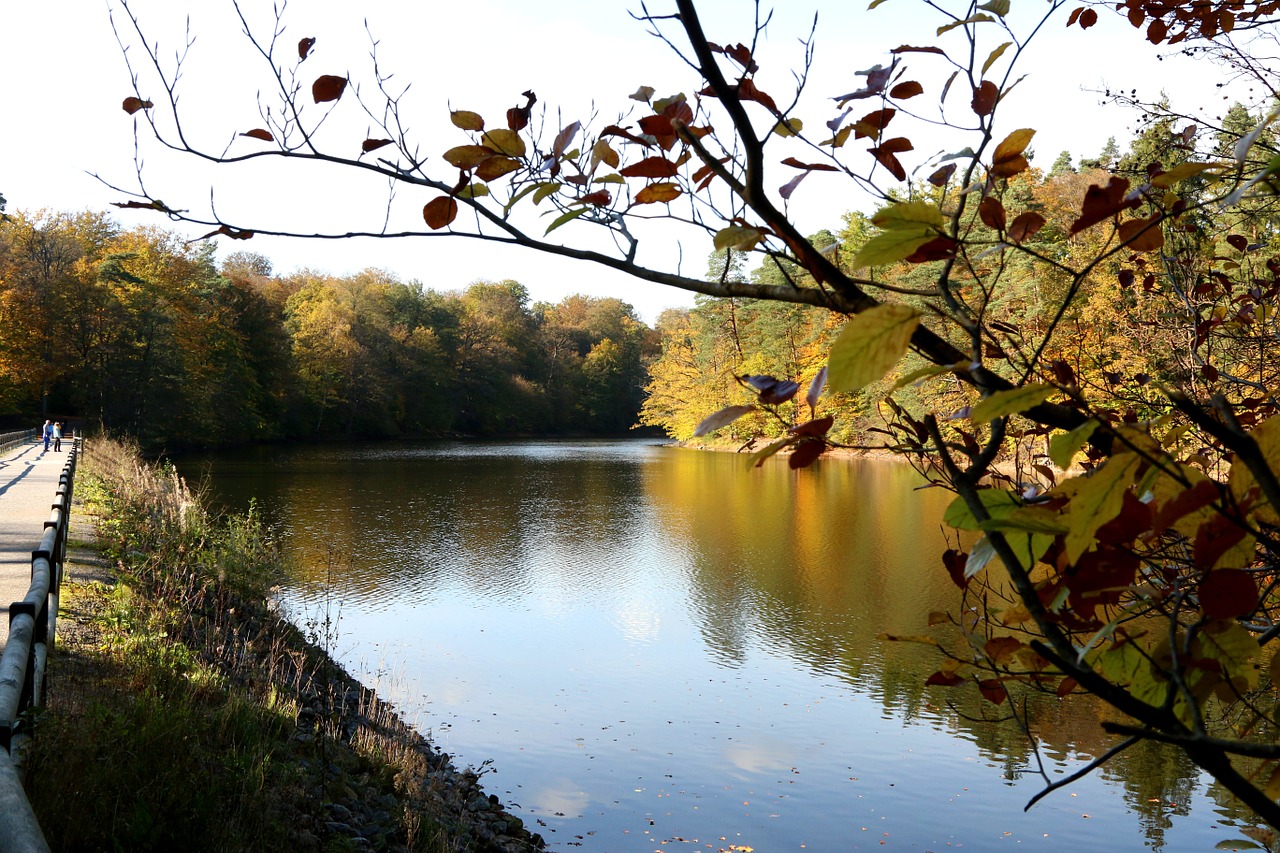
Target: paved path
[[28, 485]]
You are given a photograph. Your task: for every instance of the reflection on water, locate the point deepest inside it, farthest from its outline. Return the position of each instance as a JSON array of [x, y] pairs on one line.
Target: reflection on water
[[656, 645]]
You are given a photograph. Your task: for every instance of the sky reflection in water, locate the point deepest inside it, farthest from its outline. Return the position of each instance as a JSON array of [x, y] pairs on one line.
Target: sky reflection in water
[[661, 647]]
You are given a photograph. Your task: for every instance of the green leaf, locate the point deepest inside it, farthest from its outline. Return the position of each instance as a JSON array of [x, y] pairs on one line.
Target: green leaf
[[997, 502], [545, 190], [1097, 501], [892, 246], [738, 237], [869, 345], [1011, 402], [565, 217], [1126, 665], [1026, 519], [908, 214], [524, 192], [999, 8], [1064, 446], [475, 189]]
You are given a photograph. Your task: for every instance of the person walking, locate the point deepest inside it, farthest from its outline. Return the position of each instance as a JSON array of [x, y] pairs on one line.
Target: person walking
[[57, 436], [48, 434]]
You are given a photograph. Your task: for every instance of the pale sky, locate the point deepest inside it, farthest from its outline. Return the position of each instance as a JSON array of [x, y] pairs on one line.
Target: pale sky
[[65, 80]]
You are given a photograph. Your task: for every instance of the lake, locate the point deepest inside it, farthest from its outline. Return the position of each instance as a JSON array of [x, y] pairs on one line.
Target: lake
[[649, 648]]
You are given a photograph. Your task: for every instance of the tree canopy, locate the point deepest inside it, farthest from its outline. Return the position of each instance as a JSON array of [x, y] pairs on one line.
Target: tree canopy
[[1085, 359]]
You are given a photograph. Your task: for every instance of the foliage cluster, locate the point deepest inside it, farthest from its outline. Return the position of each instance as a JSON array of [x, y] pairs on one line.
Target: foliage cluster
[[138, 332]]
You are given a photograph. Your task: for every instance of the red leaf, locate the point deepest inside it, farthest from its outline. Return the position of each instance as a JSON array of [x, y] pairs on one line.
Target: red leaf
[[599, 198], [1025, 226], [885, 154], [131, 105], [1213, 539], [1103, 202], [820, 167], [373, 144], [955, 561], [908, 89], [1142, 235], [991, 212], [650, 167], [940, 177], [1157, 31], [1228, 594], [747, 91], [815, 428], [1088, 18], [807, 452], [328, 88], [259, 133], [439, 212], [304, 47], [1197, 497], [937, 249], [944, 679], [1065, 686], [872, 123], [518, 117], [992, 690], [984, 98], [614, 130], [1237, 242]]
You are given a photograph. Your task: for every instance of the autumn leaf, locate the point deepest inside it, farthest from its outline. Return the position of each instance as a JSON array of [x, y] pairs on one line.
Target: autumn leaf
[[374, 144], [650, 167], [259, 133], [870, 343], [885, 154], [439, 212], [991, 212], [904, 90], [495, 167], [643, 94], [1102, 203], [1142, 235], [304, 47], [131, 105], [327, 87], [1008, 159], [1228, 594], [940, 177], [722, 418], [467, 157], [984, 98], [504, 141], [658, 193], [740, 237], [1097, 500], [467, 120], [1024, 226], [1010, 402]]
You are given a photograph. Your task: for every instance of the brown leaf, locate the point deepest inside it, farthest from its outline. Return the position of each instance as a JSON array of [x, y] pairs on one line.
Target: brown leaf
[[984, 98], [518, 117], [816, 428], [564, 139], [131, 105], [373, 144], [1103, 202], [1228, 594], [907, 89], [599, 198], [259, 133], [944, 679], [650, 167], [885, 154], [658, 193], [937, 249], [1157, 31], [1088, 18], [328, 88], [872, 124], [304, 47], [818, 167], [747, 91], [1025, 226], [992, 690], [991, 212], [806, 453], [940, 177], [467, 156], [1142, 235], [495, 167], [439, 212]]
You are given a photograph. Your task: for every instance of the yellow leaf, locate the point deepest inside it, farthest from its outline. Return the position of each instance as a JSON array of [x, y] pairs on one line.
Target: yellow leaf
[[467, 120], [738, 237], [973, 19], [1097, 501], [1010, 402], [504, 141], [1235, 648], [1013, 145], [908, 214], [869, 345], [995, 54], [1241, 479], [1064, 447], [928, 372], [889, 247], [996, 7], [1181, 172], [789, 127], [474, 190], [657, 193]]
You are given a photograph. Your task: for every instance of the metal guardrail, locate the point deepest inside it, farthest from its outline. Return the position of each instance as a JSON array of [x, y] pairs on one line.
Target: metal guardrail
[[10, 440], [32, 628]]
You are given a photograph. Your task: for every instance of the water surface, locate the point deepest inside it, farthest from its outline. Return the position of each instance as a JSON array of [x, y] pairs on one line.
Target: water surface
[[653, 649]]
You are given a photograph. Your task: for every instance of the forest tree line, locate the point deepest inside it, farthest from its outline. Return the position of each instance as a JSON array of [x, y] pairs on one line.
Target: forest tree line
[[139, 332], [1131, 332]]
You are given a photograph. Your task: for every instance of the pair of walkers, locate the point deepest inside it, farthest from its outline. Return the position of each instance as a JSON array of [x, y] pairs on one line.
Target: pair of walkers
[[53, 433]]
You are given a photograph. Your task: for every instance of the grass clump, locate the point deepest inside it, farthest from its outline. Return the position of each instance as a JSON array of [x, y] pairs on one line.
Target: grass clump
[[184, 714]]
